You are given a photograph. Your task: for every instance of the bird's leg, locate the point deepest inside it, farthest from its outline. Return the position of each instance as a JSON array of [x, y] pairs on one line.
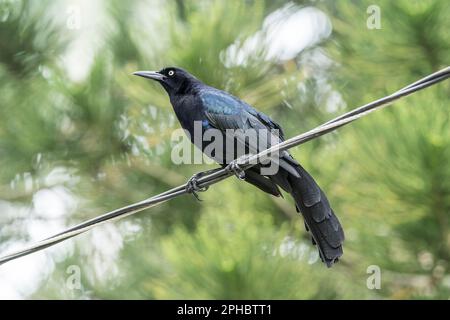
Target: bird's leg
[[235, 166], [192, 184]]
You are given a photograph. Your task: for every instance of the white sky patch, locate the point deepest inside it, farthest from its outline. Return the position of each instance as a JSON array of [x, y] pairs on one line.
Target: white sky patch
[[289, 33], [94, 24], [61, 175], [105, 243], [317, 65], [297, 250], [21, 277], [285, 33], [54, 202], [86, 35]]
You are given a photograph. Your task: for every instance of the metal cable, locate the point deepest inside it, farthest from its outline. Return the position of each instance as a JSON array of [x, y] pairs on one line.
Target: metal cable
[[213, 178]]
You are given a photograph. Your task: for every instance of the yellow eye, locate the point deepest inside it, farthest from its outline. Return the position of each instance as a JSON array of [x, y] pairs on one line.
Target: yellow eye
[[171, 73]]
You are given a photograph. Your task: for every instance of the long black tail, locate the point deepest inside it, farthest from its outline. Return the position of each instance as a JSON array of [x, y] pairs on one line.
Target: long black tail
[[320, 219]]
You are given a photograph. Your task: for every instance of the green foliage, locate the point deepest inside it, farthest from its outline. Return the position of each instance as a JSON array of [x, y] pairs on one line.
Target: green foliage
[[105, 140], [28, 37], [245, 258]]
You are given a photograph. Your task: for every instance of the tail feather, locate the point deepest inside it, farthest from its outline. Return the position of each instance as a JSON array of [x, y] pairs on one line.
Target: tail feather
[[319, 218]]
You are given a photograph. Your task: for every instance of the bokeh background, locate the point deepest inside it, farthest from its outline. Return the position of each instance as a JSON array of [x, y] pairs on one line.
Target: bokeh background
[[79, 136]]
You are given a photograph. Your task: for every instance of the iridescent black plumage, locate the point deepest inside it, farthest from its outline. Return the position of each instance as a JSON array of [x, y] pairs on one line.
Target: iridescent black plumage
[[193, 101]]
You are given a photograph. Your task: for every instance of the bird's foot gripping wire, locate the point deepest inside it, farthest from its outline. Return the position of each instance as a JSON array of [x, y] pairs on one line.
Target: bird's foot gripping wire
[[192, 184], [235, 166]]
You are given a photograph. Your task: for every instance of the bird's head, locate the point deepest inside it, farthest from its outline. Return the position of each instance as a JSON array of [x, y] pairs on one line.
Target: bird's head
[[174, 80]]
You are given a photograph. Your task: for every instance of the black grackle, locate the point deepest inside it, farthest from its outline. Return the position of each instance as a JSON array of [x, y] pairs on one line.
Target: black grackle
[[194, 101]]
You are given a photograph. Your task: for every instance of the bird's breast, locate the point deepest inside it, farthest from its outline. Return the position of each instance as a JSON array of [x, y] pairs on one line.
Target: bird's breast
[[190, 114]]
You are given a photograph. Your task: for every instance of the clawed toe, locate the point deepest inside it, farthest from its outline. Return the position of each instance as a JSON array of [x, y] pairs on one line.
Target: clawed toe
[[193, 187], [236, 168]]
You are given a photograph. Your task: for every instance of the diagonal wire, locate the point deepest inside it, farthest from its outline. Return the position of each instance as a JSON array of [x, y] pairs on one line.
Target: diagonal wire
[[219, 175]]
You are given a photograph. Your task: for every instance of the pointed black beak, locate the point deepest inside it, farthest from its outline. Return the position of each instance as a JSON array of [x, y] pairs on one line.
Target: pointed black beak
[[150, 75]]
